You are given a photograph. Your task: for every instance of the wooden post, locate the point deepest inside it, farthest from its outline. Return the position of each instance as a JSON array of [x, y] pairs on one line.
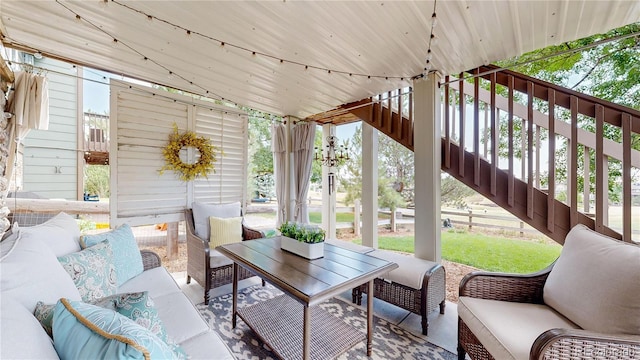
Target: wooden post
[[393, 220], [470, 219], [172, 240], [356, 217]]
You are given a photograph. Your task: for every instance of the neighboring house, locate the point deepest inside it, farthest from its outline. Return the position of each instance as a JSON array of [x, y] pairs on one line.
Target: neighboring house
[[52, 162]]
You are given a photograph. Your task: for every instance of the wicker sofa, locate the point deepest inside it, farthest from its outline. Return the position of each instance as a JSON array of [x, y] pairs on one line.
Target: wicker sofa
[[584, 306], [31, 271], [207, 266]]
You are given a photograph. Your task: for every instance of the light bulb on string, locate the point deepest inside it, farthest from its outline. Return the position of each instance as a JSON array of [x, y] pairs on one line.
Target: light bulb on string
[[104, 3], [150, 18], [434, 20], [188, 35], [429, 55], [114, 42], [170, 75], [78, 19], [434, 40]]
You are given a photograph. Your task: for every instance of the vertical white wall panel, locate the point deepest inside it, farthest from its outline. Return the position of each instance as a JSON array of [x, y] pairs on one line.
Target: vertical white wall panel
[[50, 156], [142, 120]]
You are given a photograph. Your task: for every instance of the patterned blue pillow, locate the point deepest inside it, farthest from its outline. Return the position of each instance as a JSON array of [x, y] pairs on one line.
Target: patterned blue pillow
[[126, 254], [138, 307], [85, 331], [92, 271]]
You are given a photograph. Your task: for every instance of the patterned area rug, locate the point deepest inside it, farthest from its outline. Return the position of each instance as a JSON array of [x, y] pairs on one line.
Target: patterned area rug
[[389, 342]]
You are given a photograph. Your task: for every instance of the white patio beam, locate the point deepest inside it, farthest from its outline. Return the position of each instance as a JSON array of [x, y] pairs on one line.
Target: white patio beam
[[369, 186], [427, 142]]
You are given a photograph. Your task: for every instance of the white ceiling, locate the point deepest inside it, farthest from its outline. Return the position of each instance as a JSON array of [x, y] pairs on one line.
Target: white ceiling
[[380, 38]]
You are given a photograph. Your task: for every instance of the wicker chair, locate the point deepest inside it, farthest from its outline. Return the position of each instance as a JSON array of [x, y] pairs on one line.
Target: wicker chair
[[199, 259], [556, 343]]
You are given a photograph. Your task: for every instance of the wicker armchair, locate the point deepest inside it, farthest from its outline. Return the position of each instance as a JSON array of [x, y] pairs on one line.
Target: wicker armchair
[[199, 259], [552, 344]]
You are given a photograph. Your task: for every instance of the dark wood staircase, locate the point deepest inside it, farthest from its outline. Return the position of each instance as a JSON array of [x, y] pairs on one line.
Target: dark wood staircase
[[525, 199]]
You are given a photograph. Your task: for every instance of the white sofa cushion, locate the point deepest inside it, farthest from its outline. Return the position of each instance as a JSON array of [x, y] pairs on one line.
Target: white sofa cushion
[[31, 273], [411, 270], [595, 283], [206, 345], [156, 281], [22, 336], [60, 233], [507, 329], [202, 212], [179, 316]]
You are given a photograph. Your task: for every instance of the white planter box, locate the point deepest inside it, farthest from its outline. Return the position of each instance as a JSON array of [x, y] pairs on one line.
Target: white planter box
[[307, 251]]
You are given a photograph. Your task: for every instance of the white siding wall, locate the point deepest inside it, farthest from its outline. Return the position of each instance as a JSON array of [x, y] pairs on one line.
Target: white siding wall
[[140, 128], [44, 150]]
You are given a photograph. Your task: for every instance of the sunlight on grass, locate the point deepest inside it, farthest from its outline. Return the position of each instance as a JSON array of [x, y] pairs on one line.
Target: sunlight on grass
[[492, 253], [316, 217]]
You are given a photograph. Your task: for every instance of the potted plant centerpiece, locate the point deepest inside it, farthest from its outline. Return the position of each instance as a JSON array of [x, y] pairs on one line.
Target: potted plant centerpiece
[[303, 240]]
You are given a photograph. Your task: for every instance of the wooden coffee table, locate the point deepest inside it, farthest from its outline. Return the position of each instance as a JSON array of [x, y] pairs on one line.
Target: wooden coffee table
[[291, 325]]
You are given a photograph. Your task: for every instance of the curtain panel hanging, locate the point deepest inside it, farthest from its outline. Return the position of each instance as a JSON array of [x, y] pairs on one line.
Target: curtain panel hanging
[[279, 149], [303, 137]]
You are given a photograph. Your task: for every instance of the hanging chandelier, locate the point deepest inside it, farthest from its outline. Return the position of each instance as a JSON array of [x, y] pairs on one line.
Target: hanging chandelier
[[334, 154]]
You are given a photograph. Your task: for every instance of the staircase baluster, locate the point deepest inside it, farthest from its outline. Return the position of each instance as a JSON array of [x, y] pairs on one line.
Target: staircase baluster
[[530, 210], [601, 168], [551, 195], [494, 131], [511, 180], [461, 120], [476, 128], [572, 186], [447, 124], [626, 177]]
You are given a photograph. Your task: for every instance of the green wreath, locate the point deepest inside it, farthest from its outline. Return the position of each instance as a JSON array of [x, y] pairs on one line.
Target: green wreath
[[188, 172]]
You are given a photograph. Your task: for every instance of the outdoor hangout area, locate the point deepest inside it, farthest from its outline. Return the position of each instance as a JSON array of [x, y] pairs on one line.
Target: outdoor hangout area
[[320, 180]]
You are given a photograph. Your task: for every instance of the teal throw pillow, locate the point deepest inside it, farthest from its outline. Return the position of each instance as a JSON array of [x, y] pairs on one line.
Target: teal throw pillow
[[85, 331], [92, 271], [138, 307], [126, 254]]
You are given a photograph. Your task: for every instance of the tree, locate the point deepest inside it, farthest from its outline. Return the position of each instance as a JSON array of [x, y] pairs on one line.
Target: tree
[[96, 180], [453, 192], [608, 70], [259, 153], [351, 179]]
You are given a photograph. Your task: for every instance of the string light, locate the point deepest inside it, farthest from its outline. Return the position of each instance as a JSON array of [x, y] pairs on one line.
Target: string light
[[258, 53], [433, 40]]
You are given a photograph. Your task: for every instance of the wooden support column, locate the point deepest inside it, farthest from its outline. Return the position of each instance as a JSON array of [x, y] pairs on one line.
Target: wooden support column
[[369, 186], [329, 187], [357, 210], [172, 240], [427, 168]]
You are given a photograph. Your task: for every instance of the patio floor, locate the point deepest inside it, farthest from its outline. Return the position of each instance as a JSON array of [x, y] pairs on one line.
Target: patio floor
[[442, 328]]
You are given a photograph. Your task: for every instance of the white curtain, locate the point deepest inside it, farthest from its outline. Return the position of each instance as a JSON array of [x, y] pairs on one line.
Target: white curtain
[[303, 136], [279, 149], [29, 103]]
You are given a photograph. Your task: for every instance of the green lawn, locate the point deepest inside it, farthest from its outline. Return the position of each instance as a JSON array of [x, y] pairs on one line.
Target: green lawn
[[316, 217], [485, 252]]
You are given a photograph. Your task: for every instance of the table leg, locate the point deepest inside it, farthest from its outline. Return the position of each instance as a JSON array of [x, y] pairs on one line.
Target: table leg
[[235, 295], [306, 333], [369, 316]]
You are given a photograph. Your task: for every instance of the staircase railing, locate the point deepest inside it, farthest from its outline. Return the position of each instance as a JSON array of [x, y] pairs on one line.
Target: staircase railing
[[516, 134], [549, 118]]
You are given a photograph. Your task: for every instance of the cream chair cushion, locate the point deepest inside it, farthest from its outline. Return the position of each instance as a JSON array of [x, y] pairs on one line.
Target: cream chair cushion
[[595, 283], [202, 212]]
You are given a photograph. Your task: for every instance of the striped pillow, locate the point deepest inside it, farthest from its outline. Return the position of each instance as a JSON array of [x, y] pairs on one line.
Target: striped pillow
[[225, 231]]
